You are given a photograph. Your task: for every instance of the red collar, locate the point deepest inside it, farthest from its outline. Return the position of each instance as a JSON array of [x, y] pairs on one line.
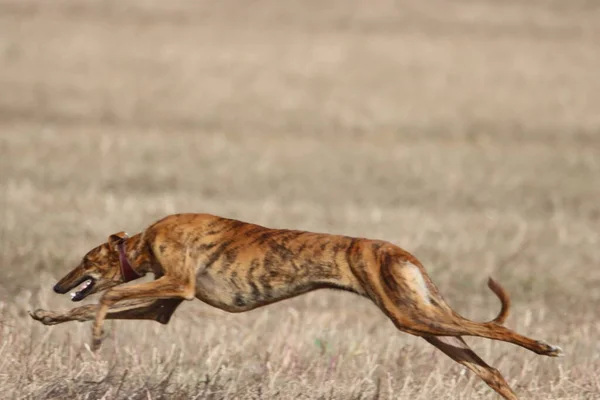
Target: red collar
[[127, 272]]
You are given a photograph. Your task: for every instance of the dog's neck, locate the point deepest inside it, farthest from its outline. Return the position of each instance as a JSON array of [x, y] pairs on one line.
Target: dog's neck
[[127, 271]]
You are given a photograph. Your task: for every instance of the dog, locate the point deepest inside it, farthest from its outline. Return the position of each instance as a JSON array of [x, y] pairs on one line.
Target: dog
[[238, 266]]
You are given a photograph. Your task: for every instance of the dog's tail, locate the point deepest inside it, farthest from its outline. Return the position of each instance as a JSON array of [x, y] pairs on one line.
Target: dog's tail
[[504, 299]]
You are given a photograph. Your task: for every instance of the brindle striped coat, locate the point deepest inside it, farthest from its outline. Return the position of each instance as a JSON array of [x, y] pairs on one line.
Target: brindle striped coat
[[238, 266]]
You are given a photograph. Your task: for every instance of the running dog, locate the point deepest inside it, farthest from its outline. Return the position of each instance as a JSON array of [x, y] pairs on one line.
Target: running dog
[[238, 266]]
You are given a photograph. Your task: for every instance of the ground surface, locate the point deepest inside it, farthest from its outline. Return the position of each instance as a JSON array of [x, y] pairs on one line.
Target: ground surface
[[466, 132]]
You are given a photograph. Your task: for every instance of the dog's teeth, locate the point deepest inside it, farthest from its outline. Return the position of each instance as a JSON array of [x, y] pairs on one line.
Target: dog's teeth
[[73, 294]]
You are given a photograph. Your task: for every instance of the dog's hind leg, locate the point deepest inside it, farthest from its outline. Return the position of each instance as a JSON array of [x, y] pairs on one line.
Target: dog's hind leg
[[407, 295], [456, 348], [139, 309]]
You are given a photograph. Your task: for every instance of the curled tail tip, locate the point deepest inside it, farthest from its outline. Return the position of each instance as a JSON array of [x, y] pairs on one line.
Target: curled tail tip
[[496, 288], [504, 299]]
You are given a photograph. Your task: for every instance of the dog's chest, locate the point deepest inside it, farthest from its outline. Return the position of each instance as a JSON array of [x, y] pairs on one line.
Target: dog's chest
[[243, 289]]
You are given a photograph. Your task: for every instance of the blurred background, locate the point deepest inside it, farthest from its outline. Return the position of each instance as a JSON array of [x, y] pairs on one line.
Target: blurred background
[[466, 132]]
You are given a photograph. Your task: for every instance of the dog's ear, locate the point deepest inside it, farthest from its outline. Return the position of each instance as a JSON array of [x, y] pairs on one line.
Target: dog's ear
[[115, 239]]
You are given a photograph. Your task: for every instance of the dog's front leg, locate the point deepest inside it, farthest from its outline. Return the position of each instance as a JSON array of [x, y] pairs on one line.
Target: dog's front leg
[[81, 314], [166, 287], [156, 310]]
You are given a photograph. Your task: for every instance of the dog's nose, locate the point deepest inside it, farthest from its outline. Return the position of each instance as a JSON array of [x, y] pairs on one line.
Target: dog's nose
[[57, 288]]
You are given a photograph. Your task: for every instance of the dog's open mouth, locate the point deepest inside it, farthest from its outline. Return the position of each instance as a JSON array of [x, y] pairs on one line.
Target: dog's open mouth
[[84, 289]]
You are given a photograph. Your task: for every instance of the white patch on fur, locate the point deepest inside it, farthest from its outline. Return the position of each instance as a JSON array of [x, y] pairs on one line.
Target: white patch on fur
[[417, 282]]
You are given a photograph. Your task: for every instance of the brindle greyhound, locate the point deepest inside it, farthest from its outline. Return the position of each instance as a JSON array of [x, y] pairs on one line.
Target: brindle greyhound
[[238, 266]]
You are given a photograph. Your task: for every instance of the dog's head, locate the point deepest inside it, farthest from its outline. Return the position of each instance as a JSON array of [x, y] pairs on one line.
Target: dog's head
[[98, 270]]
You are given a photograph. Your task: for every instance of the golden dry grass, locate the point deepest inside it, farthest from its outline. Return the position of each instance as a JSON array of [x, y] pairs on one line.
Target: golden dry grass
[[466, 132]]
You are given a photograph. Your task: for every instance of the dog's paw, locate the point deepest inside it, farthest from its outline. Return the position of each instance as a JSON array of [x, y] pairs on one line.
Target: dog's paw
[[96, 343], [550, 350], [45, 317], [97, 337]]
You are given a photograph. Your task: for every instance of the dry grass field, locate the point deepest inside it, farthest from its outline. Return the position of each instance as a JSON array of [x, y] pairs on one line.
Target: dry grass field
[[466, 132]]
